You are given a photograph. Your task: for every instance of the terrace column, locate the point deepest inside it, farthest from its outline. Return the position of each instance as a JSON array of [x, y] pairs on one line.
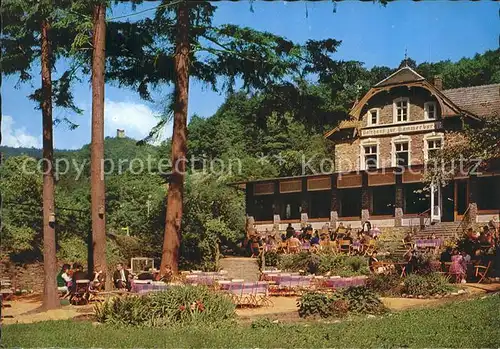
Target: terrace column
[[473, 199], [249, 199], [304, 199], [399, 202], [276, 198], [365, 199], [276, 204], [334, 209]]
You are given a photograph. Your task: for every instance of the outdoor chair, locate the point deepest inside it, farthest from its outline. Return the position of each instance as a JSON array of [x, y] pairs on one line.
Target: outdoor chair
[[80, 294], [345, 246], [247, 294], [369, 247], [481, 271], [261, 294], [283, 247]]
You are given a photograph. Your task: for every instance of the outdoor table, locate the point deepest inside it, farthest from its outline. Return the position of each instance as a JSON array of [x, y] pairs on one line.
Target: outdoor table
[[356, 245], [428, 243], [144, 288], [339, 282]]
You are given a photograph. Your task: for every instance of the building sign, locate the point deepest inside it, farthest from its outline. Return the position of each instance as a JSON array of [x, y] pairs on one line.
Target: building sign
[[382, 131]]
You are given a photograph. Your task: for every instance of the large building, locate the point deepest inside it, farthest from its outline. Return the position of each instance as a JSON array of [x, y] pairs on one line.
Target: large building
[[380, 157]]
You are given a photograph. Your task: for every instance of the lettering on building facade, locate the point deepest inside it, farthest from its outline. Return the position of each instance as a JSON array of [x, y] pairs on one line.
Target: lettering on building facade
[[370, 132]]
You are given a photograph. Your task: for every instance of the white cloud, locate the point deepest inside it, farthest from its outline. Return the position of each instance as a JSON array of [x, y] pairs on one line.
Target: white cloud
[[136, 119], [17, 137]]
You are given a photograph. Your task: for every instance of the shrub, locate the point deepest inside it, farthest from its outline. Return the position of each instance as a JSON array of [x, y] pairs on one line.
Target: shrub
[[362, 300], [314, 304], [384, 284], [426, 285], [324, 262], [427, 264], [272, 259], [180, 305], [356, 300], [295, 262]]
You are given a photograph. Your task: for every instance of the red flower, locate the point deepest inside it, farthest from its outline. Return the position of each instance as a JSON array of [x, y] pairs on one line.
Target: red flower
[[182, 308], [200, 305]]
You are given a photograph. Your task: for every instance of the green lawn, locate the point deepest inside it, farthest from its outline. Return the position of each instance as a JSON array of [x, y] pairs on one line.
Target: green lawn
[[473, 323]]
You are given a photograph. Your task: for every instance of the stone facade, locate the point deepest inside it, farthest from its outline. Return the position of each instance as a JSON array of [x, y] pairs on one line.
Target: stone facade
[[392, 198]]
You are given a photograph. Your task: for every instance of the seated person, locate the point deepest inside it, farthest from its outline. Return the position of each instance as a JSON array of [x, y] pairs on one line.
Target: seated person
[[146, 274], [64, 280], [78, 274], [290, 231], [293, 244], [98, 280], [121, 278], [341, 230], [373, 261], [407, 239], [315, 238]]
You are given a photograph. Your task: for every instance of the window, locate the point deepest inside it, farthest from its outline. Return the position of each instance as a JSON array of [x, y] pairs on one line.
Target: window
[[320, 204], [488, 192], [401, 109], [383, 200], [433, 145], [430, 110], [402, 154], [263, 208], [350, 202], [416, 198], [433, 142], [370, 157], [291, 206], [373, 117]]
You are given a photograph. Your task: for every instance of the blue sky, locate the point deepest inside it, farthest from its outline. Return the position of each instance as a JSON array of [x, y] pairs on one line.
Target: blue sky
[[371, 33]]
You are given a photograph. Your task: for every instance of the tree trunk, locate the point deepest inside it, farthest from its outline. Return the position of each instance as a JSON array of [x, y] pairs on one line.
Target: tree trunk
[[172, 237], [97, 145], [50, 294]]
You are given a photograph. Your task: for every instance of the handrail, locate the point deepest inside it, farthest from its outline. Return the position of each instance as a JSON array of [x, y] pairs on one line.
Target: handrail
[[422, 213], [465, 220]]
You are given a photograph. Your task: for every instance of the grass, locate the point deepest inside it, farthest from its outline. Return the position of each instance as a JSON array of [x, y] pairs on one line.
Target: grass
[[468, 323]]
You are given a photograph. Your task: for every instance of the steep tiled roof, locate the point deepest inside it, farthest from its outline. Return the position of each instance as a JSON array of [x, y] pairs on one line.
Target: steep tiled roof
[[480, 100], [405, 74]]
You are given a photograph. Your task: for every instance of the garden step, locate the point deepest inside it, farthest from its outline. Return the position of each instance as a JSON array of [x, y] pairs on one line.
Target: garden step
[[241, 268]]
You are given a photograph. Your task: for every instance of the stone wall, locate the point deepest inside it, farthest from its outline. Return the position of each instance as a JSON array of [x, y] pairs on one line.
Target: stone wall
[[384, 102], [347, 156], [23, 276]]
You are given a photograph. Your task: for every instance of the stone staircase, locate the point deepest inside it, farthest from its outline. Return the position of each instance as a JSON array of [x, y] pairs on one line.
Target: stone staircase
[[241, 268], [443, 230]]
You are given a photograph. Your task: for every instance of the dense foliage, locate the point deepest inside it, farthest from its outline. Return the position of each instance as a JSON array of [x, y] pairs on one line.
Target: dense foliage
[[426, 285], [180, 305], [352, 300], [322, 263]]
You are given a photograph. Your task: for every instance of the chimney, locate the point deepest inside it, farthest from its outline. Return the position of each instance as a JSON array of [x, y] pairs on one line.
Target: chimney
[[438, 82]]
